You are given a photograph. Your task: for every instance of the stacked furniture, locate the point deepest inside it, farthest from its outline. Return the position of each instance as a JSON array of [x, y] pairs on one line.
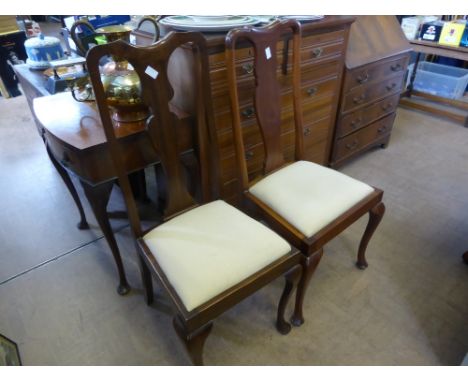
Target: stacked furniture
[[375, 65]]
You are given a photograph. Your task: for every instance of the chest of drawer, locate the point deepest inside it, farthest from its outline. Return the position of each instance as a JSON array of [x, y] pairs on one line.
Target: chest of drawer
[[369, 93], [353, 121], [377, 71], [364, 137]]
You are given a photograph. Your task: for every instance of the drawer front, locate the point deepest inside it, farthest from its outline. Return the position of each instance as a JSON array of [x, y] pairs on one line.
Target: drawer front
[[353, 121], [363, 138], [374, 72], [366, 94]]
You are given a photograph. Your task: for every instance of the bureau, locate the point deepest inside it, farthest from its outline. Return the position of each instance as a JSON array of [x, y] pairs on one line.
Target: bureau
[[322, 58], [375, 66]]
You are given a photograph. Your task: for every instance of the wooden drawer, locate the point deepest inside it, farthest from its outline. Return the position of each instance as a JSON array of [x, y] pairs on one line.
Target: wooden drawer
[[376, 71], [353, 121], [366, 94], [363, 138], [323, 38]]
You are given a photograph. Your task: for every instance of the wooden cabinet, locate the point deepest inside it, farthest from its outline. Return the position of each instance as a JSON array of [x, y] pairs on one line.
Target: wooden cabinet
[[375, 65], [322, 56]]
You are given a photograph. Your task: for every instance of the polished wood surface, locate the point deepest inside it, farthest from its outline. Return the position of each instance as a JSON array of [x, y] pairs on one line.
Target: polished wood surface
[[373, 38], [311, 247], [376, 60], [163, 132], [429, 47], [322, 58]]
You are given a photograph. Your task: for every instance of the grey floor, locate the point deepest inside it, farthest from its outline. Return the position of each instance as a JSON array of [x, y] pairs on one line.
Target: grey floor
[[410, 307]]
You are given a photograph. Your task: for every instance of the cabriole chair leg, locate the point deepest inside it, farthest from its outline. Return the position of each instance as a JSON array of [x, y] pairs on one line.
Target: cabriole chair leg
[[292, 277], [194, 341], [375, 216], [309, 265]]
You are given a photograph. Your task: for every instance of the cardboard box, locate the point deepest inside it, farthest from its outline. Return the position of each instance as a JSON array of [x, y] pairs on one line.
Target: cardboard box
[[410, 27], [13, 44], [464, 39], [431, 31], [8, 24], [451, 34]]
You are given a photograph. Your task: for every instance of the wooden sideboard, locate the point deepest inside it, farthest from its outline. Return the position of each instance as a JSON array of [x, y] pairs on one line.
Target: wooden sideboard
[[376, 59], [323, 47]]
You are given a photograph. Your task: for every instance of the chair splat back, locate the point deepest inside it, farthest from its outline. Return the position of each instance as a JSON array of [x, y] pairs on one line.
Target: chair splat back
[[267, 96], [151, 64]]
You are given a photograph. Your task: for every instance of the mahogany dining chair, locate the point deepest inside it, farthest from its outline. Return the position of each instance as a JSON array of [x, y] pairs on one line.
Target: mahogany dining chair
[[306, 203], [208, 255]]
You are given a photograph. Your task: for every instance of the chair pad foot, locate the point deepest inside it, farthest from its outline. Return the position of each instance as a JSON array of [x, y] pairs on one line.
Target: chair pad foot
[[361, 265], [297, 321], [123, 289]]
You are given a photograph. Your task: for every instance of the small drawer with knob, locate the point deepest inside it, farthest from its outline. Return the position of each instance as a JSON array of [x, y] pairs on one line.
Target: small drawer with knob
[[316, 89], [375, 72], [350, 122], [363, 138], [389, 68], [366, 94]]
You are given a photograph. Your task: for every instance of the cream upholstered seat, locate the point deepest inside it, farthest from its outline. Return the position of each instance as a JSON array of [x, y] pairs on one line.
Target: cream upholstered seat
[[309, 196], [211, 248]]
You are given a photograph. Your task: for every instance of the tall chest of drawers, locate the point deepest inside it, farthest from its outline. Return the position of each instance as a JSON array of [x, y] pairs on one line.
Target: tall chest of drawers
[[375, 66], [322, 58]]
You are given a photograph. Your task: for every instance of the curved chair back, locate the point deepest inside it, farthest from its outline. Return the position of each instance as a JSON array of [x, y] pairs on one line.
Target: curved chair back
[[163, 125], [267, 93]]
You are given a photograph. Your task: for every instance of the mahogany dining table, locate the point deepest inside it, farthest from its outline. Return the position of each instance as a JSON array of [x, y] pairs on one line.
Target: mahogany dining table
[[76, 144]]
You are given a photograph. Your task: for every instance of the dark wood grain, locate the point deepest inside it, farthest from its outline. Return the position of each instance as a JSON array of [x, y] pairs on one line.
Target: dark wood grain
[[163, 133], [373, 38], [311, 247], [376, 60]]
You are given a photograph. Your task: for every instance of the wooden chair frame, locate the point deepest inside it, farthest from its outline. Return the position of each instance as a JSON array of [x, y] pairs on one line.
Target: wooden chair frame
[[162, 127], [267, 111]]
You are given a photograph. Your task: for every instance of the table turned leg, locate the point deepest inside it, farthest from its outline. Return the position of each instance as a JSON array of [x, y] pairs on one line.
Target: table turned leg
[[83, 224], [98, 197]]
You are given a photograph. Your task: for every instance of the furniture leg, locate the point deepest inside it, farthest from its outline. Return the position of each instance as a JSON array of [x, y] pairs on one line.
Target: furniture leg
[[98, 197], [292, 279], [138, 183], [465, 257], [83, 224], [309, 265], [194, 341], [413, 75], [375, 216], [146, 279]]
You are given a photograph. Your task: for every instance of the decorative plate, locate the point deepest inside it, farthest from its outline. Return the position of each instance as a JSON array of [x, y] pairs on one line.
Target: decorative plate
[[303, 17], [208, 23]]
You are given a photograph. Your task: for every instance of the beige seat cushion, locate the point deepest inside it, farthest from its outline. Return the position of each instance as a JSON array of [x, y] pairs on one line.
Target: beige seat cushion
[[211, 248], [309, 196]]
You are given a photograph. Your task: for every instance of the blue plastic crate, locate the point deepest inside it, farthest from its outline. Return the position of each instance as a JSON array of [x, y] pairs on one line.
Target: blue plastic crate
[[440, 80]]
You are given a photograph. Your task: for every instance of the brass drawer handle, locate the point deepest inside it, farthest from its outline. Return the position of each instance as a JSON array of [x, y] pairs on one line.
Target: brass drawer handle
[[317, 52], [248, 112], [391, 87], [388, 106], [363, 79], [307, 131], [311, 91], [396, 67], [359, 99], [353, 145], [356, 122], [249, 155], [382, 129], [248, 68]]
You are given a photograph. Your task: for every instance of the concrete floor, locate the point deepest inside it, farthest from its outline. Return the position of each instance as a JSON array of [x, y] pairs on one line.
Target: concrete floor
[[57, 284]]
